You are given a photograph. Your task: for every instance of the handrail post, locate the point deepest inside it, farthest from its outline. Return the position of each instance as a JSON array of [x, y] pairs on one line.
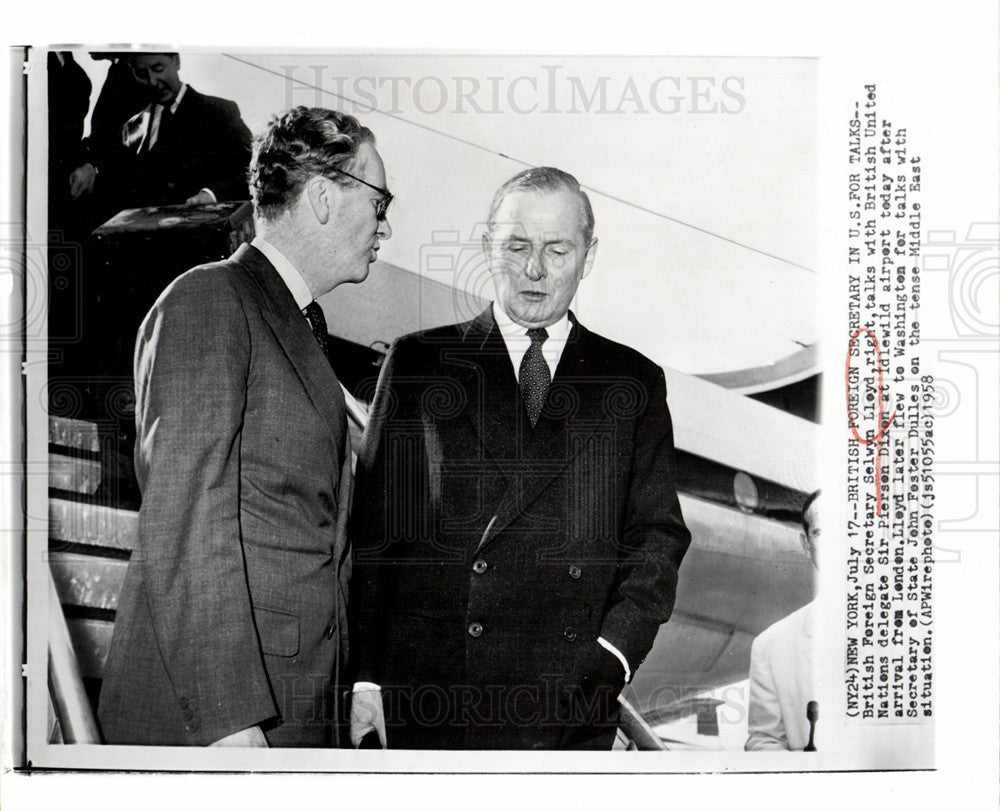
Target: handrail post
[[76, 719]]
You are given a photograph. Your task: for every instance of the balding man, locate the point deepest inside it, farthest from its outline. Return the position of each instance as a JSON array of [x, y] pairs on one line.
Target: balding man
[[517, 530]]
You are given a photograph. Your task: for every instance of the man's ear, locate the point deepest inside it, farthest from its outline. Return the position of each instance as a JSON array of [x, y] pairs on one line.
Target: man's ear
[[320, 196], [588, 261]]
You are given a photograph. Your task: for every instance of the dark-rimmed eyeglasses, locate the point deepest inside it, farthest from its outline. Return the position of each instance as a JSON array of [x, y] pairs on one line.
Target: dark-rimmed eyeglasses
[[382, 206]]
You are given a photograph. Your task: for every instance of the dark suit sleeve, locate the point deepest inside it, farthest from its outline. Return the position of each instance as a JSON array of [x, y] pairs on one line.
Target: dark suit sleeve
[[368, 529], [192, 362], [227, 153], [115, 164], [654, 539]]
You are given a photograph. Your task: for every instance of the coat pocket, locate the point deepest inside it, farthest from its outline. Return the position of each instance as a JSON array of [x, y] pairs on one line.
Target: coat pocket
[[278, 631]]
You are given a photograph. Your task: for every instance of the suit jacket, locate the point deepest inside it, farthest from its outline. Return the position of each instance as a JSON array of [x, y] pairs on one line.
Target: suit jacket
[[205, 144], [491, 555], [69, 100], [781, 683], [233, 611]]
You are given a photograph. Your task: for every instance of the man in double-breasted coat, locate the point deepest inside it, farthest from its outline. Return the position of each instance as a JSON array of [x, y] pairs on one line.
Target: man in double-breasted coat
[[517, 533]]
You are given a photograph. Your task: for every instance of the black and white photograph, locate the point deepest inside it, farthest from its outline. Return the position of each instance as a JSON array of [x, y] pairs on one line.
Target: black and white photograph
[[504, 411]]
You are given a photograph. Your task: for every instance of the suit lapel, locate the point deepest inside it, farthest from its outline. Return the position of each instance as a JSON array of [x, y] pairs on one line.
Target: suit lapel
[[572, 413], [293, 334], [580, 384], [490, 389]]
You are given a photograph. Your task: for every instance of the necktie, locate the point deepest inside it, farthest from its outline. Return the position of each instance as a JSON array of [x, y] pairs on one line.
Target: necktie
[[317, 321], [534, 377], [152, 128], [159, 124]]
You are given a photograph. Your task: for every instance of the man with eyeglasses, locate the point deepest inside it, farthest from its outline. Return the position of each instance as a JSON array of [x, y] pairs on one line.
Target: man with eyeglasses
[[517, 533], [232, 627]]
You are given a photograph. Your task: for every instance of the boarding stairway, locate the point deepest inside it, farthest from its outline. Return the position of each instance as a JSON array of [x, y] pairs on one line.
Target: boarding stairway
[[92, 530]]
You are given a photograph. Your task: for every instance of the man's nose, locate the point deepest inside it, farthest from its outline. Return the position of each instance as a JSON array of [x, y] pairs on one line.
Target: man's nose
[[384, 230], [534, 269]]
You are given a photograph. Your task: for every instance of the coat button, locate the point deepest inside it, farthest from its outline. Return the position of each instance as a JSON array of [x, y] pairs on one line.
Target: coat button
[[479, 566], [475, 629], [574, 572], [192, 726], [570, 634], [183, 702]]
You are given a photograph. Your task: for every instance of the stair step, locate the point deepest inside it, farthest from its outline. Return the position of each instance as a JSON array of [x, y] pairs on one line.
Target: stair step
[[75, 474], [87, 580], [71, 433], [92, 524]]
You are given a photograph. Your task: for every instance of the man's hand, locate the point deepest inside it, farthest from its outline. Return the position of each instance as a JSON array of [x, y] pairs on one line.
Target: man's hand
[[204, 196], [252, 736], [81, 181], [367, 715], [591, 701]]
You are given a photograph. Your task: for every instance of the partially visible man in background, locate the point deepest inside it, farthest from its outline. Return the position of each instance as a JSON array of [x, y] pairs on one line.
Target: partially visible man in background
[[781, 663], [232, 624], [182, 147], [69, 99]]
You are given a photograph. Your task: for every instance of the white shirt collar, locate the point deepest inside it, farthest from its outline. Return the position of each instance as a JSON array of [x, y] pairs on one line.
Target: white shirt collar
[[155, 108], [177, 101], [286, 270], [515, 337], [151, 117]]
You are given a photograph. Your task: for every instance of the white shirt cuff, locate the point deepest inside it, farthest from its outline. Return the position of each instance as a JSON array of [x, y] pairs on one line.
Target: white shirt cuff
[[211, 194], [618, 655], [364, 685]]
